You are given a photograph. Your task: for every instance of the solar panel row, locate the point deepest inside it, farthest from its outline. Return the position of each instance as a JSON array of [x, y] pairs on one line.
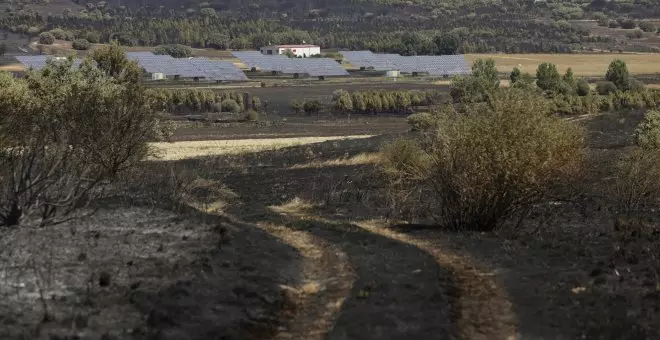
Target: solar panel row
[[38, 62], [315, 67], [433, 65], [165, 64]]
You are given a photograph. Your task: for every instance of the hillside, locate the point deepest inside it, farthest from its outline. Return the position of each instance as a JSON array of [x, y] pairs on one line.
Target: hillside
[[406, 27]]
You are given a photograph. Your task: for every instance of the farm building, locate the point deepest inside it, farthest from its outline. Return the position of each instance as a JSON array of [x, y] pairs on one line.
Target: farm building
[[302, 51]]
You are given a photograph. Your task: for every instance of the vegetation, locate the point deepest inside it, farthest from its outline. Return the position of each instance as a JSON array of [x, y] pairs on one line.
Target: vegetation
[[374, 102], [479, 166], [58, 149], [198, 101], [81, 44], [176, 51], [46, 38]]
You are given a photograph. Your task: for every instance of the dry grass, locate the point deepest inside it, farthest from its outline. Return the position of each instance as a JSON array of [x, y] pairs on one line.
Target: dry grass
[[359, 159], [582, 64], [17, 67], [192, 149]]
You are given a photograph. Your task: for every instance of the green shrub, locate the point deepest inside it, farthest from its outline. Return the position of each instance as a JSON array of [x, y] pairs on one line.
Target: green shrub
[[93, 37], [296, 106], [252, 116], [647, 134], [81, 45], [46, 38], [175, 50], [635, 85], [582, 87], [605, 87], [481, 166], [618, 74], [58, 33], [312, 106], [256, 103], [548, 77], [647, 26], [230, 105], [421, 121]]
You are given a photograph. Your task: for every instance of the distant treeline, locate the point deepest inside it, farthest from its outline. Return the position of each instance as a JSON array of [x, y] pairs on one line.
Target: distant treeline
[[201, 101]]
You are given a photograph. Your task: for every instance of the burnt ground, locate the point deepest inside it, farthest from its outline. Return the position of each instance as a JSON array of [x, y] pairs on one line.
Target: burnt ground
[[296, 244]]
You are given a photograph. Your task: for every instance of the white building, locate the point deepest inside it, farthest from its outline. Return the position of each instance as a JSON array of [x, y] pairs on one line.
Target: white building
[[303, 51]]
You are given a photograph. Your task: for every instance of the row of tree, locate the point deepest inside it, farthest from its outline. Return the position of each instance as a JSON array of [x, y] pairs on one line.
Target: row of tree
[[382, 101]]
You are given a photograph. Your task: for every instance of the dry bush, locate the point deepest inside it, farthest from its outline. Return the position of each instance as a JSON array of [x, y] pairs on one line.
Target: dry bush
[[480, 166], [636, 185]]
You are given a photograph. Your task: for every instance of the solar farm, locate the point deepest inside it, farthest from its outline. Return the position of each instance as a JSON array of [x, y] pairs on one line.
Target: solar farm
[[163, 67], [444, 65]]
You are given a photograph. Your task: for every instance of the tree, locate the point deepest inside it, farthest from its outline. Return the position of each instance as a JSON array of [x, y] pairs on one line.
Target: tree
[[515, 75], [296, 106], [176, 50], [46, 38], [66, 134], [93, 37], [446, 44], [81, 45], [343, 101], [478, 86], [547, 77], [583, 88], [478, 167], [618, 74]]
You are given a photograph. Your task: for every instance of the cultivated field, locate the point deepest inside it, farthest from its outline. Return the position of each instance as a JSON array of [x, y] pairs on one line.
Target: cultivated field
[[593, 64]]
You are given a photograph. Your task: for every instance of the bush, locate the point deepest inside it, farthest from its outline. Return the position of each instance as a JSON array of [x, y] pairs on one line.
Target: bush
[[312, 107], [628, 24], [230, 105], [515, 75], [296, 106], [605, 87], [636, 180], [58, 33], [81, 45], [582, 87], [93, 37], [647, 134], [647, 26], [635, 85], [256, 103], [477, 169], [252, 116], [46, 38], [68, 133], [421, 121], [175, 50]]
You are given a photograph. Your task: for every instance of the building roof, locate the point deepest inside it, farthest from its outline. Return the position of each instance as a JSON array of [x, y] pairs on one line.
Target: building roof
[[291, 46]]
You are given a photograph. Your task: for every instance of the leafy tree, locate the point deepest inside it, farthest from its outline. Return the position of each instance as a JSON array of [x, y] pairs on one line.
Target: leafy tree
[[46, 38], [478, 86], [526, 82], [67, 133], [618, 74], [58, 33], [176, 51], [81, 44], [446, 44], [569, 78], [627, 23], [547, 77], [343, 101], [312, 106]]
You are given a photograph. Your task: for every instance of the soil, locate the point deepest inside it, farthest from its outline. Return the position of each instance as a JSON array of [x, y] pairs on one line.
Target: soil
[[267, 245]]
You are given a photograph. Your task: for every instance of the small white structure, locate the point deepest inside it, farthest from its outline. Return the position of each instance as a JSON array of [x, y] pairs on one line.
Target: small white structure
[[157, 76], [302, 51], [393, 74]]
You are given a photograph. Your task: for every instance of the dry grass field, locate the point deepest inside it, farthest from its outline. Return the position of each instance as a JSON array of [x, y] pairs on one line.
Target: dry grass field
[[582, 64], [193, 149]]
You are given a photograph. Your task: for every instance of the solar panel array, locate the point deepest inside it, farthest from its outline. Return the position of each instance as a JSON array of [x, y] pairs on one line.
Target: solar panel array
[[188, 68], [433, 65], [38, 62], [165, 64], [315, 67]]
